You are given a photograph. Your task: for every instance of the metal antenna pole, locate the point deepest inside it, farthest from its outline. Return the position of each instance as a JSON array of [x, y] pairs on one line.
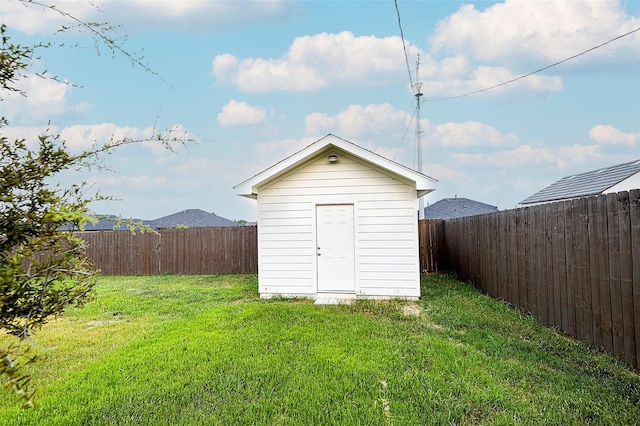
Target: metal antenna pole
[[418, 94]]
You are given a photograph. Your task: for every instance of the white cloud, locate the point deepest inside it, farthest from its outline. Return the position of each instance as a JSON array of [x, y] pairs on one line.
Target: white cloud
[[519, 33], [317, 61], [45, 99], [444, 83], [33, 18], [278, 149], [453, 66], [198, 173], [28, 133], [442, 172], [82, 136], [607, 134], [237, 113], [313, 62], [148, 14], [201, 15], [390, 153], [137, 183], [358, 120], [527, 156], [85, 136], [470, 133]]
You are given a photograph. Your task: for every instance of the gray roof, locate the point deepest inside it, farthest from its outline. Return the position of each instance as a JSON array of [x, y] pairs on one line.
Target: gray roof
[[451, 208], [585, 184], [108, 223], [193, 218]]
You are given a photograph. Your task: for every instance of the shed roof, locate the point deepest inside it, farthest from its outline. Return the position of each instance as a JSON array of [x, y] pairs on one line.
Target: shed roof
[[248, 188], [451, 208], [584, 184]]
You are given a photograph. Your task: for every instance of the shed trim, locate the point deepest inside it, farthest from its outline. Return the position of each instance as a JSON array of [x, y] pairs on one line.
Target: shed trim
[[250, 187]]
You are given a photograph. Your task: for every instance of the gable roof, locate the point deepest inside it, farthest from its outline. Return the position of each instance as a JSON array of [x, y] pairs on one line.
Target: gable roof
[[106, 223], [111, 224], [584, 184], [451, 208], [248, 188], [193, 218]]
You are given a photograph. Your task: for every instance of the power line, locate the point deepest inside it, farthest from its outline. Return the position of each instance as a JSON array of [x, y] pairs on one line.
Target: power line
[[533, 72], [404, 137], [404, 47]]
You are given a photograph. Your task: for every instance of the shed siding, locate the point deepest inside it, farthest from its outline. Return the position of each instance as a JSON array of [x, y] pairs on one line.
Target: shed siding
[[385, 227]]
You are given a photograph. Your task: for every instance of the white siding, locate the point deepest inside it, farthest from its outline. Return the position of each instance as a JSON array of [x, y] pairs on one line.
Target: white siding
[[632, 182], [385, 227]]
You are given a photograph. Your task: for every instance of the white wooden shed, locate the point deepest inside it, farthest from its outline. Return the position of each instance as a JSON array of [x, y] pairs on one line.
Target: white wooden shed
[[336, 221]]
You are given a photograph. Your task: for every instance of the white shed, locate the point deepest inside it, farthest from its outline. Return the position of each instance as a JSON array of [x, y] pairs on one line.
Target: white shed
[[336, 221]]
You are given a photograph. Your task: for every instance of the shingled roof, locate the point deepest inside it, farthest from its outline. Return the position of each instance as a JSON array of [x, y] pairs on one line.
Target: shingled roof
[[584, 184], [111, 223], [451, 208], [193, 218]]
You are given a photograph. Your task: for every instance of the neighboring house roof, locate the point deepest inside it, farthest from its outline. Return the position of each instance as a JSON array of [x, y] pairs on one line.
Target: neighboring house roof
[[108, 223], [424, 184], [451, 208], [589, 183], [193, 218]]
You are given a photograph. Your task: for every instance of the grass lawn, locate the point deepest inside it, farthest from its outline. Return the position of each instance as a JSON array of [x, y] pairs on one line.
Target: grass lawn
[[188, 350]]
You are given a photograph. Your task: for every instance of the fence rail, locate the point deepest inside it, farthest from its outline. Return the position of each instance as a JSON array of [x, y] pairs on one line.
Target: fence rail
[[175, 251], [432, 245], [573, 264]]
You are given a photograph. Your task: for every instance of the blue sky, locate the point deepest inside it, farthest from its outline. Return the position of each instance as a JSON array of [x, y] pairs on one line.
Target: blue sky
[[255, 81]]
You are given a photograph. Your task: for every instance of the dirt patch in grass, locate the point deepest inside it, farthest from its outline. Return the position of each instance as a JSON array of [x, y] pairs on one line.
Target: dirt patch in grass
[[411, 309], [101, 323]]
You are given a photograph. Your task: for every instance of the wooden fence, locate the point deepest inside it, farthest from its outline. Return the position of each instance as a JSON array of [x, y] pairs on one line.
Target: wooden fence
[[573, 264], [432, 245], [195, 251], [175, 251]]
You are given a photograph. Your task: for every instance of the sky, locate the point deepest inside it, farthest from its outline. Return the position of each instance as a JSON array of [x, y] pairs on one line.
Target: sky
[[252, 82]]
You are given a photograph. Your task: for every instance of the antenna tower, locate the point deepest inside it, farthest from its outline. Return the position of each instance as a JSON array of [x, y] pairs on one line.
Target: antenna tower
[[418, 95]]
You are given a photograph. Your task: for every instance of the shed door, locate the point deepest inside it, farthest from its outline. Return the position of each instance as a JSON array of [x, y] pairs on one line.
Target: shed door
[[335, 248]]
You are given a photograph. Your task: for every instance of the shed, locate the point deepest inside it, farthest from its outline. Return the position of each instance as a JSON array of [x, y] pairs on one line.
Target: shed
[[337, 221]]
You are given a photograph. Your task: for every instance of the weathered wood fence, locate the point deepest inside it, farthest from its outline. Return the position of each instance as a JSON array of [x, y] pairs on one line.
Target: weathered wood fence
[[573, 264], [432, 245], [190, 251]]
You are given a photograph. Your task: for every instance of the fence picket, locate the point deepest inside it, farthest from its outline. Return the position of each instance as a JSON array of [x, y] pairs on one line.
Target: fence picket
[[613, 231], [174, 251], [596, 247], [634, 215], [626, 277], [551, 224], [574, 264]]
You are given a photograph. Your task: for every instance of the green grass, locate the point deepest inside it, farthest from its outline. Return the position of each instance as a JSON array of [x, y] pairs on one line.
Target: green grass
[[182, 350]]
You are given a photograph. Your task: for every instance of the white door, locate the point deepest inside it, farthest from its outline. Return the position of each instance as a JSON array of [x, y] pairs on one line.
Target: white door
[[335, 248]]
